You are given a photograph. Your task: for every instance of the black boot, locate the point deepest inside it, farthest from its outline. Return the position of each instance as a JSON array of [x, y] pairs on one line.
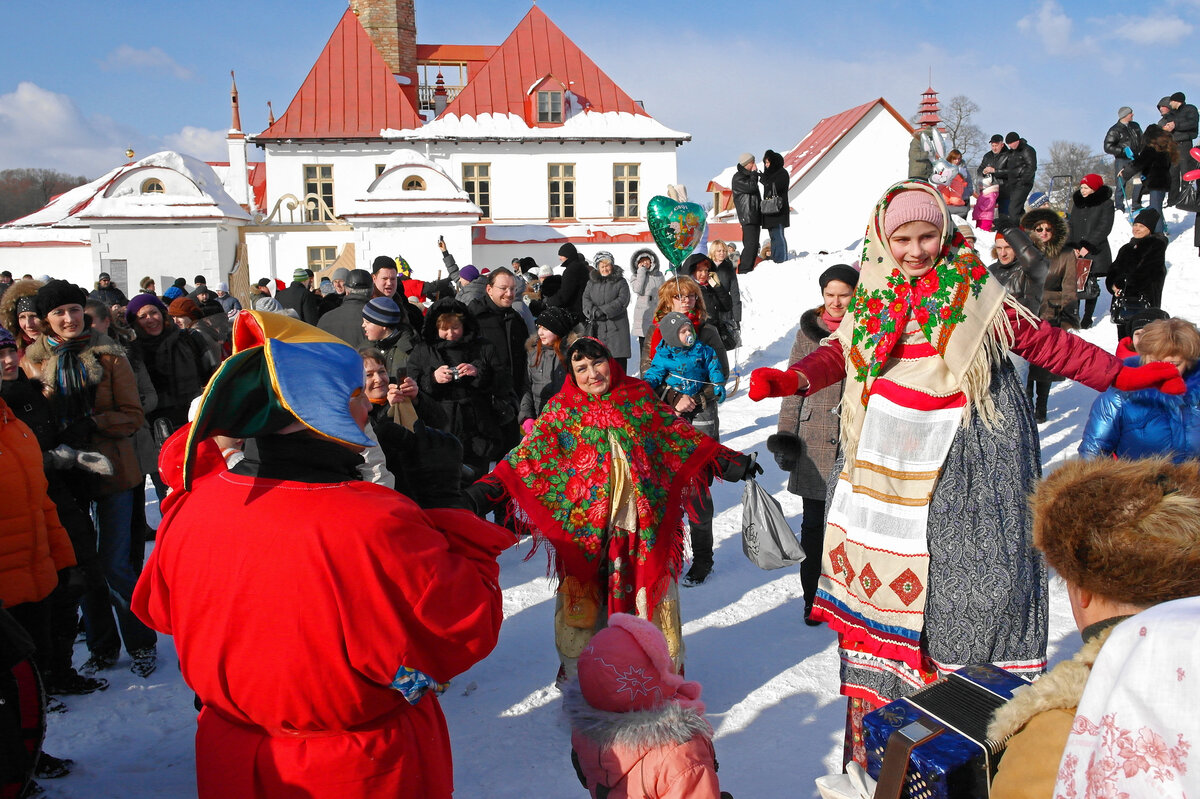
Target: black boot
[[1043, 398]]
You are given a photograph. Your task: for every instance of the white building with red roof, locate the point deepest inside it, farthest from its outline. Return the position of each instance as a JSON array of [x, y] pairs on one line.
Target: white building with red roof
[[505, 151], [864, 146]]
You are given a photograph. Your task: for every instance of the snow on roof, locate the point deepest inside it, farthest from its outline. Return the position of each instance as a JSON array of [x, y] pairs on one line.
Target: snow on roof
[[723, 181], [349, 93], [584, 125], [109, 197], [535, 49], [388, 196]]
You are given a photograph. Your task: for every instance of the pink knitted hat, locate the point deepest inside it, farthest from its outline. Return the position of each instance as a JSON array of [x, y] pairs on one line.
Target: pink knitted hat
[[627, 667], [911, 206]]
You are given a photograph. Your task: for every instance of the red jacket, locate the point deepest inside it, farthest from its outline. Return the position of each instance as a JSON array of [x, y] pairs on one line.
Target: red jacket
[[1039, 343], [294, 607]]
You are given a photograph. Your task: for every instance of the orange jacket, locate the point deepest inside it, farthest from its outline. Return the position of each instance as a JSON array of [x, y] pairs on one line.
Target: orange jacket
[[33, 544]]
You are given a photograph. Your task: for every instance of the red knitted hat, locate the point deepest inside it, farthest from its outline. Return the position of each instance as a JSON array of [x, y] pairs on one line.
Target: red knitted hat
[[627, 667], [1092, 181]]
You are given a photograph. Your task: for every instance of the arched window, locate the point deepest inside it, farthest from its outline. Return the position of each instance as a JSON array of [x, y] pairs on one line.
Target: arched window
[[414, 184], [152, 186]]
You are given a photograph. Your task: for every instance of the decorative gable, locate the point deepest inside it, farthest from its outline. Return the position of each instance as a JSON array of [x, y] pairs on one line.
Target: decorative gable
[[350, 93]]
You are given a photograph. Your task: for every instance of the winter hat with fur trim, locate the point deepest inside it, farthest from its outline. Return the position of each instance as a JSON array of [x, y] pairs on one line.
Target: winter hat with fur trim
[[1126, 530], [912, 206], [627, 667]]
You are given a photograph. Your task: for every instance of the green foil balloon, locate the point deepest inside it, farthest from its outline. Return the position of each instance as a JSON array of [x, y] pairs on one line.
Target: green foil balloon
[[677, 227]]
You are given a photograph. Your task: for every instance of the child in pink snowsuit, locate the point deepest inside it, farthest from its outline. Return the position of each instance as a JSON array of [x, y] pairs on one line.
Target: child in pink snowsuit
[[985, 206], [637, 728]]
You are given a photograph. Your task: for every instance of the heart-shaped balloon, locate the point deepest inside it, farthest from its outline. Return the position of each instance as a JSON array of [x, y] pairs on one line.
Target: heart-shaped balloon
[[677, 227]]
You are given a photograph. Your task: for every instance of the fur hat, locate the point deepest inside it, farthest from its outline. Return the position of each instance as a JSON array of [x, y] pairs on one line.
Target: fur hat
[[603, 255], [840, 272], [56, 293], [627, 667], [557, 320], [1126, 530], [141, 301], [912, 206], [1037, 216], [145, 283], [671, 327], [184, 306]]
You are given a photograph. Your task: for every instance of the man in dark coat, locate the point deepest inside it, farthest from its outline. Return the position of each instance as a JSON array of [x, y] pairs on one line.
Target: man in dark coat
[[107, 292], [299, 296], [1017, 175], [993, 161], [574, 280], [500, 324], [747, 203], [1184, 123], [1122, 142], [345, 321]]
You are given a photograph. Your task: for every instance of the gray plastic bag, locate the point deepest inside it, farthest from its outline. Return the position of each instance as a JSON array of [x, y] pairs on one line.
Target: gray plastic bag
[[767, 539]]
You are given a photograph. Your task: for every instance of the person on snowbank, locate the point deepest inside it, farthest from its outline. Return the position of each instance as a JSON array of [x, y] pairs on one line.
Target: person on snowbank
[[927, 564], [326, 685]]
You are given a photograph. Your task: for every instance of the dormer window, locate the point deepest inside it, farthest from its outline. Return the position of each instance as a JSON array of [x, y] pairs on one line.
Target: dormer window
[[549, 106], [414, 184], [152, 186]]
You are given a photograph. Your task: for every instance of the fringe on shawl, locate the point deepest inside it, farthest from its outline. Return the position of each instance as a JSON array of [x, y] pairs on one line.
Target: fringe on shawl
[[977, 379]]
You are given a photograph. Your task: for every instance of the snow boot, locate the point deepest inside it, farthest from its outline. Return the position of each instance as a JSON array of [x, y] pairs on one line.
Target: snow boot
[[145, 661]]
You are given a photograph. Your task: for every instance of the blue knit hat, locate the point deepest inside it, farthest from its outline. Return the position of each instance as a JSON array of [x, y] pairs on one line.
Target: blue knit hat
[[383, 311]]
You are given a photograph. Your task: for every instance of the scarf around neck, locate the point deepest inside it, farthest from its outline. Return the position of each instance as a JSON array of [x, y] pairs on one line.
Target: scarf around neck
[[72, 397], [559, 479]]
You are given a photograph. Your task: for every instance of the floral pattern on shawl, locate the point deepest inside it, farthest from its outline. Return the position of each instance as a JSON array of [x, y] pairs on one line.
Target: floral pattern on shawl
[[559, 478]]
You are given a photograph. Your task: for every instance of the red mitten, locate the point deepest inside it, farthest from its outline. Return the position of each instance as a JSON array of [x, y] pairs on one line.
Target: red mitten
[[1159, 374], [773, 383]]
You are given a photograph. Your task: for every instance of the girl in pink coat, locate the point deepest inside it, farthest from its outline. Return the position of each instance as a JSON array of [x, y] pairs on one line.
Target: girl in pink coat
[[637, 728]]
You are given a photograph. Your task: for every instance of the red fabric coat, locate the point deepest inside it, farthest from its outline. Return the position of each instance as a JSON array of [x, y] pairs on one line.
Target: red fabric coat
[[1041, 344], [294, 605]]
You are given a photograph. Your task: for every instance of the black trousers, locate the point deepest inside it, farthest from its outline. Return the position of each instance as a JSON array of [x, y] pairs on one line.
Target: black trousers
[[812, 540], [749, 253]]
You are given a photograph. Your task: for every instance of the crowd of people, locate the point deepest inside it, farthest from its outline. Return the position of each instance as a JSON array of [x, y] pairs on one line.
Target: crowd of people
[[417, 409]]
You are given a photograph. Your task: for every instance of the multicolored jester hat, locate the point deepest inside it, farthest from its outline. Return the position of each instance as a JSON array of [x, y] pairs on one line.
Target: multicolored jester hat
[[677, 227]]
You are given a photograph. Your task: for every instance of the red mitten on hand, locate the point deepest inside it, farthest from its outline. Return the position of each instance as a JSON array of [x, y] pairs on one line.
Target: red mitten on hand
[[773, 383], [1159, 374]]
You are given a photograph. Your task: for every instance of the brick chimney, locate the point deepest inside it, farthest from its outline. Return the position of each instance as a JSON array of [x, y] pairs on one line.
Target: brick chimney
[[392, 26]]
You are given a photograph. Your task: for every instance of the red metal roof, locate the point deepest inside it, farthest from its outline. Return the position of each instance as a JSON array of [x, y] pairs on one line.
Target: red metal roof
[[827, 133], [258, 184], [350, 93], [537, 48]]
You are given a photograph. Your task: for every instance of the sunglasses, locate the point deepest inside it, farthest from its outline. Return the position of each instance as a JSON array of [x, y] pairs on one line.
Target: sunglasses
[[1042, 229]]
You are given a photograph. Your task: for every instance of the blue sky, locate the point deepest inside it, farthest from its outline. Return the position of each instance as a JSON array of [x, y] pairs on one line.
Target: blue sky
[[81, 81]]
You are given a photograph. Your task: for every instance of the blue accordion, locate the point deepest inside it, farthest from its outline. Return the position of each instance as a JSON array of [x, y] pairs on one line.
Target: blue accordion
[[945, 728]]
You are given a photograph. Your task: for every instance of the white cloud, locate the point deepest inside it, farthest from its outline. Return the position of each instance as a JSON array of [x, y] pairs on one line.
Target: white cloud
[[1048, 23], [202, 143], [1150, 30], [126, 57], [44, 129]]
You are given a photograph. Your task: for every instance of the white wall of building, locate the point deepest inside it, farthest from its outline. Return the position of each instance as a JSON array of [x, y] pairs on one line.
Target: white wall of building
[[162, 250], [68, 262], [416, 242], [833, 201]]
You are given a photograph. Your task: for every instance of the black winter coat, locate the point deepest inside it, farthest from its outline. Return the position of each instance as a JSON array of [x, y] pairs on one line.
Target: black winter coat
[[345, 321], [175, 361], [1020, 167], [1140, 268], [746, 199], [775, 179], [1186, 122], [1120, 136], [1091, 220], [570, 294], [470, 403], [1155, 165], [302, 301], [109, 296], [998, 161], [506, 330]]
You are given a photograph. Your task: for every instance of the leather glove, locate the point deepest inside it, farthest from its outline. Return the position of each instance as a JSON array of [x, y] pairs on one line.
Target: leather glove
[[435, 469], [765, 382], [787, 449], [78, 433], [1163, 376], [742, 466]]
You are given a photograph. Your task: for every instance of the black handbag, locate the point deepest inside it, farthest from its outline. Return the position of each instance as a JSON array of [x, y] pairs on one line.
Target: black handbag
[[772, 204]]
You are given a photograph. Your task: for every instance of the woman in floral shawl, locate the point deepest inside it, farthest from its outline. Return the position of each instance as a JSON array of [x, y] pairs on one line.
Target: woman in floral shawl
[[927, 564], [603, 478]]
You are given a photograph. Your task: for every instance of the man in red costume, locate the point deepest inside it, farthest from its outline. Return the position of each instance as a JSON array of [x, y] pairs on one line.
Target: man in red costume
[[316, 616]]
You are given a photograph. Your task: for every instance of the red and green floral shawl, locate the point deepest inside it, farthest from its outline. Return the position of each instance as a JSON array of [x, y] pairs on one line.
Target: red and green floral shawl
[[558, 478]]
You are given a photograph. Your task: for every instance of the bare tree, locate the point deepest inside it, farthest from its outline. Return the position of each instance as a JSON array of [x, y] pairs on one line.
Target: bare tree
[[964, 135], [23, 191], [1069, 161]]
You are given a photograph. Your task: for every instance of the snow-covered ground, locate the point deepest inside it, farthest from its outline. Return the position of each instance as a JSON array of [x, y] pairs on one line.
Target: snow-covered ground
[[770, 682]]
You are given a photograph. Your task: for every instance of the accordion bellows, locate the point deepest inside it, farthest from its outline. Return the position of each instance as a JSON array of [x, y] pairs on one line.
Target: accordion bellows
[[961, 761]]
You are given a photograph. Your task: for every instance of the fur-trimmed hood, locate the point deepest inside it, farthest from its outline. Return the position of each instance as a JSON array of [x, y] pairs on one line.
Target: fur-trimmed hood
[[1059, 689], [1031, 220], [644, 251], [812, 326], [8, 304], [429, 332], [1100, 196], [43, 361], [640, 729]]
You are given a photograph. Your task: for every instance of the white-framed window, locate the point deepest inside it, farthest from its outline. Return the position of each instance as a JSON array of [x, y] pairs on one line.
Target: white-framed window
[[561, 186], [626, 188], [549, 106], [477, 183], [318, 180]]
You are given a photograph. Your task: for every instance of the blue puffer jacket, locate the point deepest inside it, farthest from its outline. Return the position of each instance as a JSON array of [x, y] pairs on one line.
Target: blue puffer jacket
[[1139, 424], [687, 371]]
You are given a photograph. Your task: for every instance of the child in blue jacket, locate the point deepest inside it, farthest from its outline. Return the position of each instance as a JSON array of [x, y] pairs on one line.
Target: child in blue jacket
[[682, 365]]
